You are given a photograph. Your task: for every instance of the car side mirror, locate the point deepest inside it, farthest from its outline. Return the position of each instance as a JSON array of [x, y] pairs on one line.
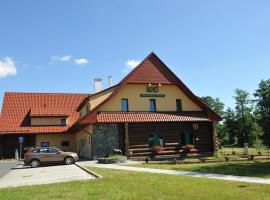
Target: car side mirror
[[58, 152]]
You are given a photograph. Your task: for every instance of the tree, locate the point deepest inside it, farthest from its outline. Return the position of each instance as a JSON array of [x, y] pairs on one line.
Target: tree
[[248, 130], [231, 126], [262, 100], [218, 107], [215, 104]]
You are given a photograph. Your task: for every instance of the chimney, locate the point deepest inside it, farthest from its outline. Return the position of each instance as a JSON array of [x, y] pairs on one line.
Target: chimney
[[97, 85], [110, 81]]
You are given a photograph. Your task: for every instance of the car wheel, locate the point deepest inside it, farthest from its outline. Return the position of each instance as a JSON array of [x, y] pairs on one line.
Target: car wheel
[[35, 163], [69, 160]]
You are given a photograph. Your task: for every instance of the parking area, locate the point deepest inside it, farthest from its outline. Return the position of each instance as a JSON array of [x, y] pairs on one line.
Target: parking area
[[43, 175], [6, 166]]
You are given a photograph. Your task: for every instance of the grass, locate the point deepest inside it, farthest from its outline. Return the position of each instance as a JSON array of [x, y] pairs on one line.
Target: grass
[[127, 185], [247, 168], [239, 150]]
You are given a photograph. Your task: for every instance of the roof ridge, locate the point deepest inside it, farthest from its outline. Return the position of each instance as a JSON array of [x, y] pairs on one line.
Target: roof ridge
[[47, 93]]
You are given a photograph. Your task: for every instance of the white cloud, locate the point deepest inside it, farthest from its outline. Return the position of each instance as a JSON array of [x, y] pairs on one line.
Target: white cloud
[[64, 58], [131, 64], [7, 67], [81, 61]]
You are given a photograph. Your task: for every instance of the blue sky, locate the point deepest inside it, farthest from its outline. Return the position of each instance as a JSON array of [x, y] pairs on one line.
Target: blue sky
[[61, 46]]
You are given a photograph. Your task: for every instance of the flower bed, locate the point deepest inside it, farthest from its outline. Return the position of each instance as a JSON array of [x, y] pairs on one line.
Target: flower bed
[[113, 160]]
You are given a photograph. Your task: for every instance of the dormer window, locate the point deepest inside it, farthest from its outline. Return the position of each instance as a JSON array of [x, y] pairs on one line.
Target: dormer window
[[63, 122]]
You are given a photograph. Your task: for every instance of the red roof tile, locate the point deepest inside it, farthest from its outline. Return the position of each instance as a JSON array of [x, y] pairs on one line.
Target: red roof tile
[[141, 117], [44, 112], [152, 70], [18, 107]]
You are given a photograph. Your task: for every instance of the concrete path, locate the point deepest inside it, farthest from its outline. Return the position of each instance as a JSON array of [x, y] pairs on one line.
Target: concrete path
[[43, 175], [176, 172], [6, 166]]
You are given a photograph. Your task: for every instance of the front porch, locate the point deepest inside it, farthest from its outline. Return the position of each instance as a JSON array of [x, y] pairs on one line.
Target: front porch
[[134, 139]]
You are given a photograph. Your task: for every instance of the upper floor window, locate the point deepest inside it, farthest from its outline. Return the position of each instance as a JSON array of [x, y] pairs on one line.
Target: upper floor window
[[124, 104], [63, 122], [179, 105], [88, 108], [153, 105]]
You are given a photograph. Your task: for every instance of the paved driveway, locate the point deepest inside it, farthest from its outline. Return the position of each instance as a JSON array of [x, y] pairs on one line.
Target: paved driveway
[[43, 175], [5, 167]]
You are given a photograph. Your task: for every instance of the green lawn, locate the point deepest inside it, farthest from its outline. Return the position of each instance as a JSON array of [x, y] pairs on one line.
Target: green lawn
[[248, 168], [239, 151], [126, 185]]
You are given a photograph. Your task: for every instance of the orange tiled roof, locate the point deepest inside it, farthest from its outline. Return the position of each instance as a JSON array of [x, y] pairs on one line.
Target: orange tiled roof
[[18, 107], [140, 117]]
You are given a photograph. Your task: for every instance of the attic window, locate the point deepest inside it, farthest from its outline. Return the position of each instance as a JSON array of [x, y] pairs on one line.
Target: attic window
[[88, 108], [63, 122]]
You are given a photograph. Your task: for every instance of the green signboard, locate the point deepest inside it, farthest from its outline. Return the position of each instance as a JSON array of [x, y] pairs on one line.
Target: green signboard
[[152, 95]]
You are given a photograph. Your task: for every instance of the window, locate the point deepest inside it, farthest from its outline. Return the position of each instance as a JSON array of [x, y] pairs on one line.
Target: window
[[124, 104], [65, 143], [155, 140], [63, 122], [88, 108], [44, 150], [178, 105], [45, 144], [52, 150], [152, 105], [187, 138]]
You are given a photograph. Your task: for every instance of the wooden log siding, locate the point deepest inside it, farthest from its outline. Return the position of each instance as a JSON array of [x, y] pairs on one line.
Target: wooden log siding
[[171, 132]]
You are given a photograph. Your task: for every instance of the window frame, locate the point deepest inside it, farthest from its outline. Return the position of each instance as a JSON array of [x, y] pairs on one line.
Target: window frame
[[65, 120], [65, 142], [154, 104], [127, 107], [179, 105], [42, 146]]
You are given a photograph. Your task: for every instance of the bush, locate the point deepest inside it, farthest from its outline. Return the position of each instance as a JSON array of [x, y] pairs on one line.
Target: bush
[[113, 159], [259, 153], [147, 159], [227, 158], [233, 152], [174, 161], [251, 157], [202, 160]]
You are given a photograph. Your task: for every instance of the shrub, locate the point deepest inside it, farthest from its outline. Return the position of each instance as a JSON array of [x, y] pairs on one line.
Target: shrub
[[174, 161], [189, 147], [113, 159], [233, 152], [259, 153], [202, 160], [227, 158], [251, 157], [147, 159], [157, 149]]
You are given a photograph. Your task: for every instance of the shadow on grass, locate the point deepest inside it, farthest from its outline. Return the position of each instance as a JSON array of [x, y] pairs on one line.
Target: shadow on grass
[[254, 169]]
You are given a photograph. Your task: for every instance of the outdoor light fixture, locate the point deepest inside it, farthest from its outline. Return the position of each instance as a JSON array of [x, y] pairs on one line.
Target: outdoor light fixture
[[197, 139], [149, 84]]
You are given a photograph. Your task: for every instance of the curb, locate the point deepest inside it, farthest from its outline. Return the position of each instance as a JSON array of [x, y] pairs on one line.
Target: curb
[[89, 172]]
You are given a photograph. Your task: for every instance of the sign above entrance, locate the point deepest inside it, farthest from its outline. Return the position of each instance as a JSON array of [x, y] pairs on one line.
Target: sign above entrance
[[152, 92]]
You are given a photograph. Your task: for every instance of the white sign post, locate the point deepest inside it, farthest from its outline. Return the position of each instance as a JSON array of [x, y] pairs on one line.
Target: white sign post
[[21, 142]]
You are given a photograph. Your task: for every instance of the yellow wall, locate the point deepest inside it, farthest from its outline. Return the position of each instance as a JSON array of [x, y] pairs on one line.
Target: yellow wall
[[95, 100], [83, 142], [46, 121], [56, 139], [136, 103]]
